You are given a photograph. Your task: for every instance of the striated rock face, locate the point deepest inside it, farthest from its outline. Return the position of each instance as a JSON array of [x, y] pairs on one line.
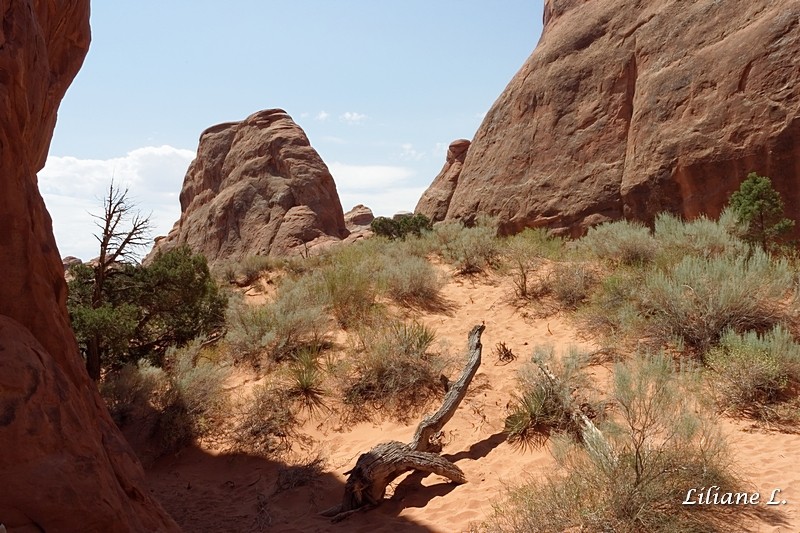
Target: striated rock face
[[257, 187], [630, 107], [436, 199], [64, 465]]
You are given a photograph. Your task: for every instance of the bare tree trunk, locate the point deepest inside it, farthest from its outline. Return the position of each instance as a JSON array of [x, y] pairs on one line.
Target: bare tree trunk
[[377, 468]]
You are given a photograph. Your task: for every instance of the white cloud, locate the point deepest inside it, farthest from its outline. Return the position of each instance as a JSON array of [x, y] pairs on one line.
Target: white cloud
[[366, 177], [383, 203], [322, 116], [382, 188], [352, 117], [72, 188], [408, 153], [440, 149]]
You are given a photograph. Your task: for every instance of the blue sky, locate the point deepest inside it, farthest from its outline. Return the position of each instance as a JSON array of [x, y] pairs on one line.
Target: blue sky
[[381, 88]]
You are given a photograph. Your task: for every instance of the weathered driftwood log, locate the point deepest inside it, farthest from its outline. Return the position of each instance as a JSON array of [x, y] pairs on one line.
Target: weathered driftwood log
[[376, 469]]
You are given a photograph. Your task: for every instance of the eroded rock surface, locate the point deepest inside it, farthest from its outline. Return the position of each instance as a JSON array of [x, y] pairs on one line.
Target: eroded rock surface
[[627, 108], [257, 187], [64, 466], [436, 199]]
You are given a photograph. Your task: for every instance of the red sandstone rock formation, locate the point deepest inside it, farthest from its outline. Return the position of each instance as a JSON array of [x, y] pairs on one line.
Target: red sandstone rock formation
[[436, 199], [358, 218], [630, 107], [257, 187], [64, 465]]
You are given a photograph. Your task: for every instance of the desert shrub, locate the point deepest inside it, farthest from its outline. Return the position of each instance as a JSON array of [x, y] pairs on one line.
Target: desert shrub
[[128, 391], [469, 250], [395, 368], [409, 280], [701, 297], [522, 254], [611, 309], [542, 406], [195, 402], [249, 270], [264, 422], [754, 372], [701, 237], [624, 242], [291, 321], [569, 283], [400, 226], [635, 475]]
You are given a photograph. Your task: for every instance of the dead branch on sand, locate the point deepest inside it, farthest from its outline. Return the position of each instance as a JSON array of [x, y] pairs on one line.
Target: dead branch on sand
[[377, 468]]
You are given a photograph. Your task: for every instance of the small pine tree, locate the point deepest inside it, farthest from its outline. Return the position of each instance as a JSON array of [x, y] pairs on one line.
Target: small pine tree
[[761, 209]]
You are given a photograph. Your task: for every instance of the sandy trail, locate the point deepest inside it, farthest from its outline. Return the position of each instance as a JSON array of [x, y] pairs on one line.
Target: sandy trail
[[206, 491]]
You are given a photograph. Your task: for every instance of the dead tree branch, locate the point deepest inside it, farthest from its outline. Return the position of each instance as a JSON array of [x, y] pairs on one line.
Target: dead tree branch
[[377, 468]]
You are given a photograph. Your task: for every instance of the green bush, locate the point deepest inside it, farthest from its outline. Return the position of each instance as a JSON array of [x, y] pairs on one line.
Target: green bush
[[400, 226], [700, 298], [145, 309], [348, 286], [623, 242], [760, 208], [611, 309], [754, 372]]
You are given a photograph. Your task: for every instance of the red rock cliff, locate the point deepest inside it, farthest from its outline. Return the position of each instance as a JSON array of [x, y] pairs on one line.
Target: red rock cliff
[[630, 107], [64, 466], [257, 187]]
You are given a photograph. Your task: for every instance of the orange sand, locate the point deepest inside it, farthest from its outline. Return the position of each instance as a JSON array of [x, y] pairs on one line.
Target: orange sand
[[205, 491]]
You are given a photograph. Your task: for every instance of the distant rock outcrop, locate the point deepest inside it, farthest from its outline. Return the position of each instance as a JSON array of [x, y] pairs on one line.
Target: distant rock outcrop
[[628, 108], [257, 187], [358, 218], [64, 465], [436, 199]]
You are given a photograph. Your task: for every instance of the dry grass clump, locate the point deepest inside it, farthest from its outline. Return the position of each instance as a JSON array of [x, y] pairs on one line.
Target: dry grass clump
[[395, 369], [569, 283], [410, 280], [757, 376], [347, 284], [248, 270], [523, 254], [127, 392], [469, 250], [293, 320], [177, 404], [300, 473], [542, 406], [635, 478], [265, 423]]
